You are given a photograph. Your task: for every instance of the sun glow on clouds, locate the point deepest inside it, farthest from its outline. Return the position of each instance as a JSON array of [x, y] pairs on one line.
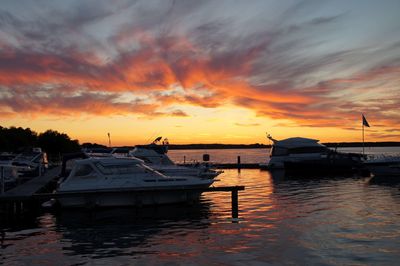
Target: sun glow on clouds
[[200, 71]]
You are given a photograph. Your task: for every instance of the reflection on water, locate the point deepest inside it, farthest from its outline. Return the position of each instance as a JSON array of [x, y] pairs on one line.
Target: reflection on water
[[328, 221], [133, 230]]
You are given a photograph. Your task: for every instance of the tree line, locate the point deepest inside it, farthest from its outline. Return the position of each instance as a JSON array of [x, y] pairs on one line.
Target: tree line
[[18, 139]]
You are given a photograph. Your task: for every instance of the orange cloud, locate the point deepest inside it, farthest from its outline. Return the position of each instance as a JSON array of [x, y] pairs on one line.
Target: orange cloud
[[210, 71]]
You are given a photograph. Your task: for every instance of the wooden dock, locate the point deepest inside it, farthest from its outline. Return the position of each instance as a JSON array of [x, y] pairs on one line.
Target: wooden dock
[[29, 188], [16, 201], [237, 165]]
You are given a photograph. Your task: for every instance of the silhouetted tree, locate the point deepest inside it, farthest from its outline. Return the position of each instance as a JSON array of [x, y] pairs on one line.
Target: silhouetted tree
[[55, 143], [14, 138]]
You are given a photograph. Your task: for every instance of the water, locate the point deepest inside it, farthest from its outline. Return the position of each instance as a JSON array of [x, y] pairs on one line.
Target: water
[[283, 221]]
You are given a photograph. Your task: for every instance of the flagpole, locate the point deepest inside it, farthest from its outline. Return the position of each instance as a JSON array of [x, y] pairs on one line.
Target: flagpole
[[363, 135]]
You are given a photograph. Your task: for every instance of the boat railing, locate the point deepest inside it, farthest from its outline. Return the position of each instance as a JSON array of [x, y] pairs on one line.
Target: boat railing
[[386, 156]]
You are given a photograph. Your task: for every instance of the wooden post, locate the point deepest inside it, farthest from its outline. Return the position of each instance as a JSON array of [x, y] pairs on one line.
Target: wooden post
[[235, 207], [184, 159], [2, 179]]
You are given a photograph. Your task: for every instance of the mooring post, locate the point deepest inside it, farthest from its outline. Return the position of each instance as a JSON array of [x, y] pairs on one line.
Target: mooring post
[[2, 179], [235, 207]]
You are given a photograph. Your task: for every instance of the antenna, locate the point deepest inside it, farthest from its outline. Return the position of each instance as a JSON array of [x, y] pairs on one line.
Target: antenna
[[109, 140]]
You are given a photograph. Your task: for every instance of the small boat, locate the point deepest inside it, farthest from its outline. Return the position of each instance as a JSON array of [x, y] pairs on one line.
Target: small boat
[[308, 155], [8, 172], [107, 182], [384, 166], [8, 176], [155, 156], [31, 162], [6, 158]]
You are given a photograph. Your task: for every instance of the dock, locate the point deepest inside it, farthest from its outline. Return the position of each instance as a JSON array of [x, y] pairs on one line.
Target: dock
[[229, 165], [32, 186], [237, 165], [20, 198]]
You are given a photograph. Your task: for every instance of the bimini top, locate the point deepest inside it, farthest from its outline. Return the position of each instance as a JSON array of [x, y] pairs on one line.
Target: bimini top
[[297, 142]]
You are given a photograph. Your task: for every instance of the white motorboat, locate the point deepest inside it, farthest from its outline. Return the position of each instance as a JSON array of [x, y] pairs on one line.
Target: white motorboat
[[8, 176], [8, 172], [112, 181], [304, 154], [384, 166], [31, 162], [156, 157], [6, 158]]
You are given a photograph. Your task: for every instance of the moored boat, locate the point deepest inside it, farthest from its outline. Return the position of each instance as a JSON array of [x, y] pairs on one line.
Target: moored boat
[[155, 156], [107, 182], [384, 166], [308, 155], [31, 162]]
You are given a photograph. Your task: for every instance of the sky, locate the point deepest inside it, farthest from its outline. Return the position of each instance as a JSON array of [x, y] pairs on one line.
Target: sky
[[201, 71]]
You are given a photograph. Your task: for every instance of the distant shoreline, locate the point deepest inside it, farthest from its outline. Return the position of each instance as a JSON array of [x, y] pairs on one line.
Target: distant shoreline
[[263, 146]]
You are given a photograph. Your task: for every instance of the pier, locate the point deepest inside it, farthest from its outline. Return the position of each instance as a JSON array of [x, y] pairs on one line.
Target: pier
[[237, 165], [21, 198]]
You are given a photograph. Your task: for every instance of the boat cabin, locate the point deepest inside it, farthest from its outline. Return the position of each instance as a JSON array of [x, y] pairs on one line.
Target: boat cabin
[[297, 146]]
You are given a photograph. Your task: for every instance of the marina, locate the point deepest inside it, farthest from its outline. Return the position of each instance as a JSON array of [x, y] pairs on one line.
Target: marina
[[327, 220], [237, 214]]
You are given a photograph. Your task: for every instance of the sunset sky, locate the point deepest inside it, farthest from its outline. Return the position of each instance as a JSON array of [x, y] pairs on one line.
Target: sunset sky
[[201, 71]]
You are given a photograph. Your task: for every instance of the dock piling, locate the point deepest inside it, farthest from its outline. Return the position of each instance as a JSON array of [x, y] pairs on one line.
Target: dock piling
[[2, 180], [235, 204]]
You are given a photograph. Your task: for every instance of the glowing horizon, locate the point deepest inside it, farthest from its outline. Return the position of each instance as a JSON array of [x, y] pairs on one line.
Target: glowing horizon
[[201, 71]]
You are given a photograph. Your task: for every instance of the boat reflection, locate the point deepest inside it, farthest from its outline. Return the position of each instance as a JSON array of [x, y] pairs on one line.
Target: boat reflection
[[280, 174], [126, 231]]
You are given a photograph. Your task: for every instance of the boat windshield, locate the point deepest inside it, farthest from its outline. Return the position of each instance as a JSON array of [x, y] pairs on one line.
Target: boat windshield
[[278, 151], [119, 169], [281, 151], [311, 149], [83, 170]]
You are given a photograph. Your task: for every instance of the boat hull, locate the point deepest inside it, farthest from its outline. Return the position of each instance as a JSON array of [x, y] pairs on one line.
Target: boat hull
[[384, 170], [128, 198], [384, 166], [337, 164]]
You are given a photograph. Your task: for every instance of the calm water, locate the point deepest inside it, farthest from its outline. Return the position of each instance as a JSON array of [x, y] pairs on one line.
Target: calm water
[[324, 221]]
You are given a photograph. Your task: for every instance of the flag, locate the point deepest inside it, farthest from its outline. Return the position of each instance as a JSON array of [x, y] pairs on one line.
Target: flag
[[364, 121]]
